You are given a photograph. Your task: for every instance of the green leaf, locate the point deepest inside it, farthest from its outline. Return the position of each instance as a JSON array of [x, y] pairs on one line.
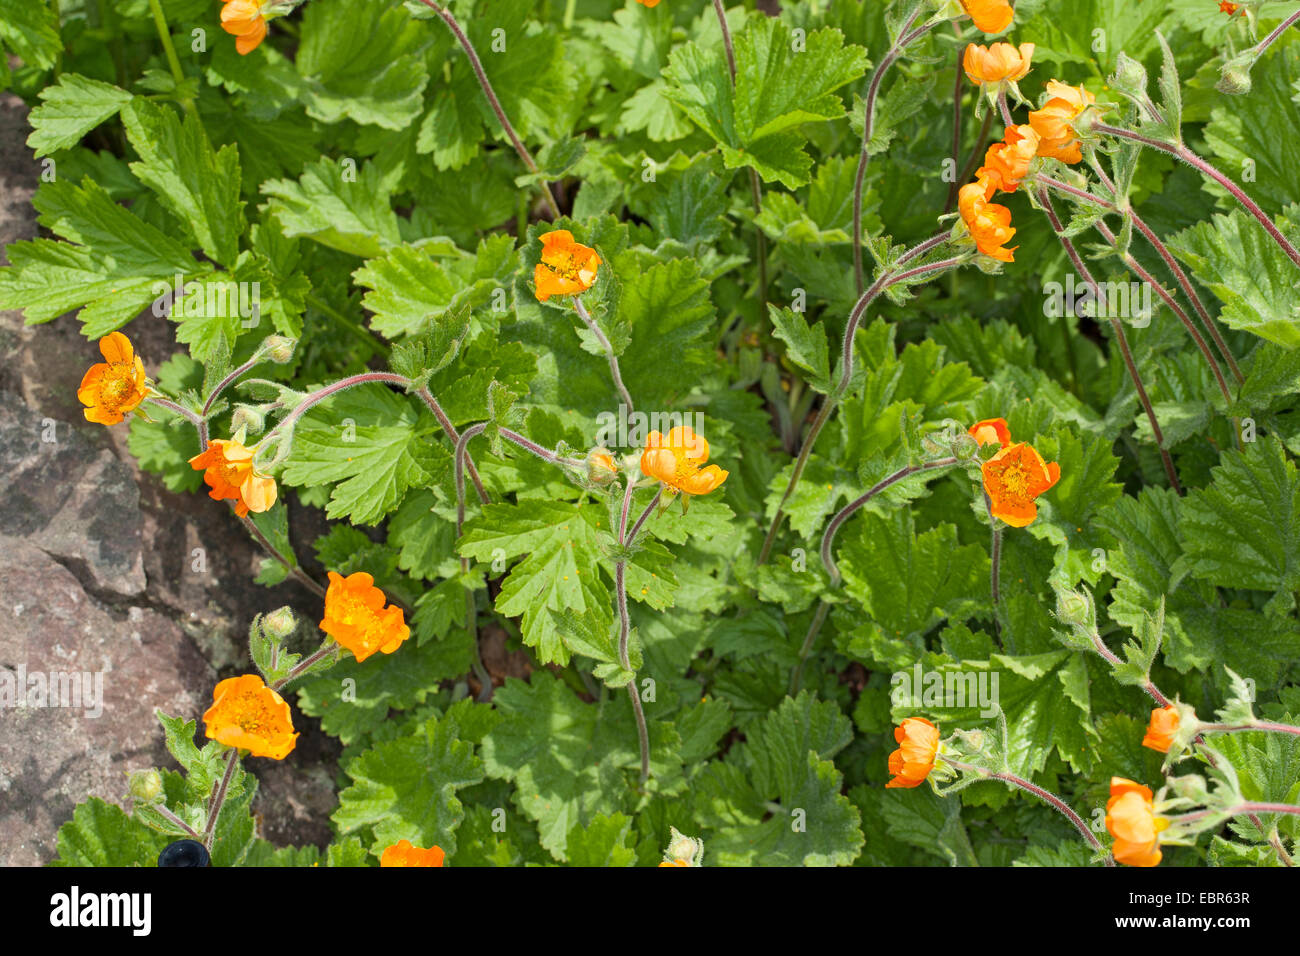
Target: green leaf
[[203, 768], [361, 61], [776, 91], [601, 842], [101, 834], [412, 288], [559, 574], [664, 309], [1243, 530], [70, 109], [114, 263], [31, 31], [406, 789], [398, 681], [1242, 265], [1199, 631], [1045, 698], [372, 445], [906, 583], [805, 346], [336, 206], [928, 821], [198, 185], [784, 774], [165, 448], [584, 764]]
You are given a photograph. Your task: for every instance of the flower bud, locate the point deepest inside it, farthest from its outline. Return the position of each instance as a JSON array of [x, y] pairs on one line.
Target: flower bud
[[248, 420], [682, 848], [1234, 78], [1073, 608], [280, 623], [145, 786], [279, 348], [600, 465]]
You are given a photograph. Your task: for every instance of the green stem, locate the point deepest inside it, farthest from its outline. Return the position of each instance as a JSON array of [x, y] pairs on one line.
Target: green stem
[[173, 62]]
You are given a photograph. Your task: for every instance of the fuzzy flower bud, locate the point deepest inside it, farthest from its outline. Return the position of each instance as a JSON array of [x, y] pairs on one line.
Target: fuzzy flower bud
[[145, 786]]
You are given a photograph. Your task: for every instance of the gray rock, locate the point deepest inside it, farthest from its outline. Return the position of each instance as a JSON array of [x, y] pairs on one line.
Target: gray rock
[[53, 757], [62, 495]]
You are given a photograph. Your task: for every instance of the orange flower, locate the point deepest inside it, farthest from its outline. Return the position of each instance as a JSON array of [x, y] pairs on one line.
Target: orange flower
[[600, 465], [1013, 478], [989, 223], [247, 714], [228, 467], [674, 862], [243, 18], [1007, 162], [355, 616], [113, 389], [993, 64], [1224, 7], [648, 3], [676, 459], [402, 853], [1057, 138], [911, 763], [991, 16], [567, 267], [1161, 729], [991, 431], [1131, 820]]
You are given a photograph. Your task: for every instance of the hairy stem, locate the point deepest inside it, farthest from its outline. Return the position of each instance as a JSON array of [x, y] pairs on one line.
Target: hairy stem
[[1045, 795], [1136, 268], [1157, 245], [609, 351], [219, 798], [162, 811], [755, 184], [1281, 28], [193, 418], [307, 581], [828, 558], [624, 623], [1200, 165], [868, 124], [1262, 725], [471, 600], [828, 406], [450, 431], [324, 651], [1120, 337], [477, 65], [536, 449], [956, 125]]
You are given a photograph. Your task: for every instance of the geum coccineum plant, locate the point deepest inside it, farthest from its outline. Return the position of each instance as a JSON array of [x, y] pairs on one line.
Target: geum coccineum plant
[[564, 318]]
